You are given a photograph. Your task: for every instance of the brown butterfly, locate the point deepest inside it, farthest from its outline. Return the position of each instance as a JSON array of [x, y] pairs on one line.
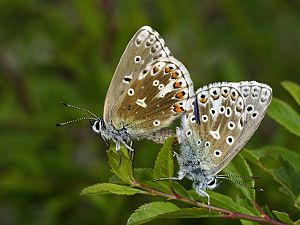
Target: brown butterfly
[[148, 91]]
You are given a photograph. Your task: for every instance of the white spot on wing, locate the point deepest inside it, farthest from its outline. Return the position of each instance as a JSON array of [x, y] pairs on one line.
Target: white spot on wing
[[127, 79], [130, 92], [155, 83], [141, 102], [217, 153], [215, 133], [156, 123]]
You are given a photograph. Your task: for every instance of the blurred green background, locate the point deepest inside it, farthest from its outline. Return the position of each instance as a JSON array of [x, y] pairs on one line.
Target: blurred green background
[[68, 50]]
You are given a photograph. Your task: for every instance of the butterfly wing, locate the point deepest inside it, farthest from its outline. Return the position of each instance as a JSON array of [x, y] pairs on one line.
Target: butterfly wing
[[145, 43], [150, 87], [222, 119]]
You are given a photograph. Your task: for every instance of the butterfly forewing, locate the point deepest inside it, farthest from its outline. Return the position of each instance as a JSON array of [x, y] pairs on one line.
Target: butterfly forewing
[[144, 47], [150, 87], [218, 124]]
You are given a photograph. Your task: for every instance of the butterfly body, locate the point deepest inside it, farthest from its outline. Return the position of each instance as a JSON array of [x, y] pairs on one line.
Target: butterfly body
[[219, 122]]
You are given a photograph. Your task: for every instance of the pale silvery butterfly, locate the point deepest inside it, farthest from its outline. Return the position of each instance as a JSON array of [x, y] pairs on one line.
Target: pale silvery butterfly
[[219, 122], [148, 91]]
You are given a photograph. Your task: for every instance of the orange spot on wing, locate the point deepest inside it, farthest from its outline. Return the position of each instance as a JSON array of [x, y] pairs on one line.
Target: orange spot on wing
[[174, 75], [167, 70], [203, 100], [177, 84], [155, 69], [178, 109], [215, 97], [180, 95], [238, 109]]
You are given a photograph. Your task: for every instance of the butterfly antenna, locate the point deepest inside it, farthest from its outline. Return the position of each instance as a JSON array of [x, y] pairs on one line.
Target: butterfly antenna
[[240, 183], [238, 176], [79, 108], [74, 121]]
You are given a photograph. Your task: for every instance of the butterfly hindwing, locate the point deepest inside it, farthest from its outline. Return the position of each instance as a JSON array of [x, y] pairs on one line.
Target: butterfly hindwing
[[257, 97], [220, 126]]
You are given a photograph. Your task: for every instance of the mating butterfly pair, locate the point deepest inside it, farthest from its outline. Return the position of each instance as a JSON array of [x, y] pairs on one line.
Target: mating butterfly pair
[[150, 89]]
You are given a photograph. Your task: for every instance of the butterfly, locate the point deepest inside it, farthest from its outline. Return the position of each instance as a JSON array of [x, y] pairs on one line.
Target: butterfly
[[219, 122], [148, 91]]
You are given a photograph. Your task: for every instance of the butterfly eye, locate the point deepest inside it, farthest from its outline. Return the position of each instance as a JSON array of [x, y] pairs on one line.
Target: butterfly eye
[[96, 127], [212, 184]]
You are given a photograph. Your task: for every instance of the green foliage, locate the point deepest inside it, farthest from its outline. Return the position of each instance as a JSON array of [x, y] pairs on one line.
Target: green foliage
[[68, 50], [284, 217], [293, 89], [285, 115], [120, 163], [164, 166], [240, 167], [156, 210], [109, 188]]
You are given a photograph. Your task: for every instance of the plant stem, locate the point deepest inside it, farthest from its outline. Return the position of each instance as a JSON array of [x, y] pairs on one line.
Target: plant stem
[[225, 213]]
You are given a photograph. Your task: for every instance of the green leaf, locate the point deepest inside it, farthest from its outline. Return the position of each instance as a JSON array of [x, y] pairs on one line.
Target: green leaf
[[222, 201], [285, 115], [293, 89], [276, 151], [156, 210], [140, 174], [122, 167], [226, 202], [282, 216], [190, 213], [239, 166], [281, 170], [108, 188], [164, 166], [151, 211]]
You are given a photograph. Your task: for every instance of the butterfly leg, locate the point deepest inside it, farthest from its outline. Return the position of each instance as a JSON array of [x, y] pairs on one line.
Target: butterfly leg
[[204, 194], [180, 177], [118, 147]]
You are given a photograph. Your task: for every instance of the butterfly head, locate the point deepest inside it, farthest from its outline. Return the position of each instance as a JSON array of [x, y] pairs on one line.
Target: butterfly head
[[98, 126]]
